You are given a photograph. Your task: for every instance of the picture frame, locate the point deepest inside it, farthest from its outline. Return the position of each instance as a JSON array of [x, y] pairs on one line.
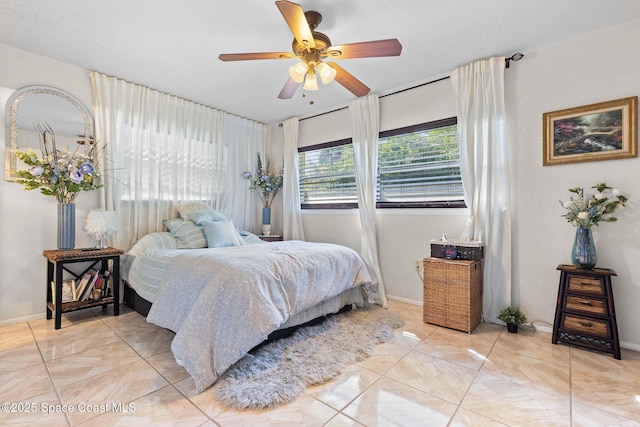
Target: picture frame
[[602, 131], [69, 292]]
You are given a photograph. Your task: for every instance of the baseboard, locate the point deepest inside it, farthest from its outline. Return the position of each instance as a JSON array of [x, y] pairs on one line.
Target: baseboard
[[22, 319], [405, 300]]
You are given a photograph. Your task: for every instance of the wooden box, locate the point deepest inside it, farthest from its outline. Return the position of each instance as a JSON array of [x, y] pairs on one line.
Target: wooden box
[[453, 293]]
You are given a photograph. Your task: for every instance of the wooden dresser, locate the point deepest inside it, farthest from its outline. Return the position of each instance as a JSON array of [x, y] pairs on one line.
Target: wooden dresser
[[585, 313], [452, 293]]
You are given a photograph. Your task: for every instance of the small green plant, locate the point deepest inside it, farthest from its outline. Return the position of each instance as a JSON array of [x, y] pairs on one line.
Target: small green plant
[[512, 315]]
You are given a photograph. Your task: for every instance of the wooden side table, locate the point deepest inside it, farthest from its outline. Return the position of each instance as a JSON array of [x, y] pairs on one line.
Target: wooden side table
[[585, 313], [270, 238], [56, 261], [452, 293]]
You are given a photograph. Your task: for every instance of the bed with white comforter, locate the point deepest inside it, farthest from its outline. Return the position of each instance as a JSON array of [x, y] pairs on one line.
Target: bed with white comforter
[[222, 302]]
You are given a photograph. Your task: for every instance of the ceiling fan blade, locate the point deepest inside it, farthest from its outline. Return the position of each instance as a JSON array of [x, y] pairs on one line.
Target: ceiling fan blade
[[289, 89], [256, 55], [376, 48], [347, 80], [294, 15]]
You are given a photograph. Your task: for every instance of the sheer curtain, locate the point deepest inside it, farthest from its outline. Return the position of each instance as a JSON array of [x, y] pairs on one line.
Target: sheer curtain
[[241, 140], [479, 91], [291, 214], [160, 150], [365, 124]]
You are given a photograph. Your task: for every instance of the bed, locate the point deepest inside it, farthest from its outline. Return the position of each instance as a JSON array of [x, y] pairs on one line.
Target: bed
[[224, 300]]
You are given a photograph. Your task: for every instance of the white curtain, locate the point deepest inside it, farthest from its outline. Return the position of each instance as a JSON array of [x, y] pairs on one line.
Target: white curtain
[[161, 150], [291, 214], [241, 140], [479, 91], [365, 124]]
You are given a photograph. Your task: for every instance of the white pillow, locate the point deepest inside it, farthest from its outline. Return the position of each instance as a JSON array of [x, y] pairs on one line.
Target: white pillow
[[221, 234], [187, 207]]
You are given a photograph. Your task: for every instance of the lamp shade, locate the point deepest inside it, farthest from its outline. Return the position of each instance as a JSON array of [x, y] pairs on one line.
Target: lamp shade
[[100, 224], [327, 73], [311, 81], [298, 71]]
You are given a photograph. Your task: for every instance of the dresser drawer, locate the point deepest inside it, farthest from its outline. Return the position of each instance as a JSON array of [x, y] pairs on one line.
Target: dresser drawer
[[588, 305], [586, 325], [589, 285]]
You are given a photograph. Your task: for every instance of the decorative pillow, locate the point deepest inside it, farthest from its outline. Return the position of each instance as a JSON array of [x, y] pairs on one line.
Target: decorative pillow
[[249, 238], [205, 215], [188, 235], [185, 208], [221, 233]]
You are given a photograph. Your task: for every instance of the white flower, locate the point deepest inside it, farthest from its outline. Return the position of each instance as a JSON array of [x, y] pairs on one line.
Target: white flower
[[583, 215], [568, 204], [599, 196], [615, 192]]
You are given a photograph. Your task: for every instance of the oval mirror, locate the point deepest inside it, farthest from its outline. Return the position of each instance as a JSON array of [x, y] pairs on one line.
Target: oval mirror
[[39, 105]]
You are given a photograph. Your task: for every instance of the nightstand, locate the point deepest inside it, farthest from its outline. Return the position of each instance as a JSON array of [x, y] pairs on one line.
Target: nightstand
[[271, 238], [56, 265], [585, 314]]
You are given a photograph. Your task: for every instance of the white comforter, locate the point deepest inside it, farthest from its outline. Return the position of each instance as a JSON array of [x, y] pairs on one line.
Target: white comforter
[[223, 302]]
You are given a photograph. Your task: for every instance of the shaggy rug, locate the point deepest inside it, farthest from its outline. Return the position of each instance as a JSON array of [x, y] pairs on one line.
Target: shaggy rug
[[278, 372]]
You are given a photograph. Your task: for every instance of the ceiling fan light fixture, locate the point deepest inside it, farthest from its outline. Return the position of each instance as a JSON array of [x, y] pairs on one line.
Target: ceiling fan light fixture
[[327, 73], [311, 81], [298, 71]]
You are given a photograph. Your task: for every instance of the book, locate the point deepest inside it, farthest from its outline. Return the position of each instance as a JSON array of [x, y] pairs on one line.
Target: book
[[68, 291], [84, 282], [87, 291]]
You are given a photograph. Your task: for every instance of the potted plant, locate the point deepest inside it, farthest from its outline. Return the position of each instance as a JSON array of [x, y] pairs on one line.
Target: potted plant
[[513, 317]]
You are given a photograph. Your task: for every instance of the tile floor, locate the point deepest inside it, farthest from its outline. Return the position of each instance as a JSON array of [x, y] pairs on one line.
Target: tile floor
[[100, 370]]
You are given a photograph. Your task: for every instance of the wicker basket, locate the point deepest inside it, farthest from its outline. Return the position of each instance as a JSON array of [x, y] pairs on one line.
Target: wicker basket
[[453, 293]]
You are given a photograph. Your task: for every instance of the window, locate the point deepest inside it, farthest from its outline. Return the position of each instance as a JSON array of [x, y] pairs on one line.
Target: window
[[327, 176], [418, 166]]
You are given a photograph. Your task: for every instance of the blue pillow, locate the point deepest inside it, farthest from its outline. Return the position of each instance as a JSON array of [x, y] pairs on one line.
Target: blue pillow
[[205, 215], [221, 234], [188, 235]]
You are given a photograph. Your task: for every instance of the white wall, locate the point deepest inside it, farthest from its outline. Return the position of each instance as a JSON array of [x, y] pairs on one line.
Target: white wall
[[28, 219], [600, 67]]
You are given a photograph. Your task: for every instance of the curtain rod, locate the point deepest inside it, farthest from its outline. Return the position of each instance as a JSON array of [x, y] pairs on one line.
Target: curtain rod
[[514, 57]]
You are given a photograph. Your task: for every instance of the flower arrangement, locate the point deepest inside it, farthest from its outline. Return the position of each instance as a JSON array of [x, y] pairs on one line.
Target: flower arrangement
[[267, 182], [512, 315], [58, 173], [586, 211]]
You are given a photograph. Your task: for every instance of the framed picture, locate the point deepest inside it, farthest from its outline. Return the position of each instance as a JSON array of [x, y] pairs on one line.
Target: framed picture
[[603, 131], [68, 291]]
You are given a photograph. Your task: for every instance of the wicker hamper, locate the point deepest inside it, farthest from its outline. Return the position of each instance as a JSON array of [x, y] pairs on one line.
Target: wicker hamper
[[453, 293]]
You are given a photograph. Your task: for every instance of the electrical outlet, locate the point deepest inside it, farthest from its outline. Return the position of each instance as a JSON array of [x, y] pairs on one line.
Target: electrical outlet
[[418, 265]]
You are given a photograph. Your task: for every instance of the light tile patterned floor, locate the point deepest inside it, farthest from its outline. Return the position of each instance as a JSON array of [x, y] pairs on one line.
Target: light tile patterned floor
[[120, 371]]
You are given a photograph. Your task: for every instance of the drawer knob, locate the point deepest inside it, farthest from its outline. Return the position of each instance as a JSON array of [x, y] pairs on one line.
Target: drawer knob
[[586, 324], [586, 303]]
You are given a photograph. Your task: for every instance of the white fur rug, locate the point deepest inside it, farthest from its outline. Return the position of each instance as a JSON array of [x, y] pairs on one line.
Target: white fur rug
[[278, 372]]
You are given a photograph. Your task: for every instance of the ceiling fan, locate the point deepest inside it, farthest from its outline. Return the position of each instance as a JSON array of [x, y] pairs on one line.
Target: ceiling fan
[[312, 47]]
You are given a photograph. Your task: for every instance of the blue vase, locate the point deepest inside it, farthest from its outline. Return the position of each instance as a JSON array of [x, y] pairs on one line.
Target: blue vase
[[266, 216], [66, 226], [583, 254]]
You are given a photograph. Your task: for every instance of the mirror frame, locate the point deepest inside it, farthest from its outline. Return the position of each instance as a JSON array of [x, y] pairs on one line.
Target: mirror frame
[[11, 121]]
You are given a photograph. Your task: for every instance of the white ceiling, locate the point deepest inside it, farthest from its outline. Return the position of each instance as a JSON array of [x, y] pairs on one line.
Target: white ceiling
[[173, 45]]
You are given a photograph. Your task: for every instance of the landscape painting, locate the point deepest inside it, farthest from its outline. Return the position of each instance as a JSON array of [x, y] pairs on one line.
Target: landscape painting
[[603, 131]]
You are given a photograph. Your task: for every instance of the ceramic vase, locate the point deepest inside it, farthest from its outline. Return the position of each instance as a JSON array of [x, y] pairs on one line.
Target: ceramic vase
[[583, 254], [66, 226]]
